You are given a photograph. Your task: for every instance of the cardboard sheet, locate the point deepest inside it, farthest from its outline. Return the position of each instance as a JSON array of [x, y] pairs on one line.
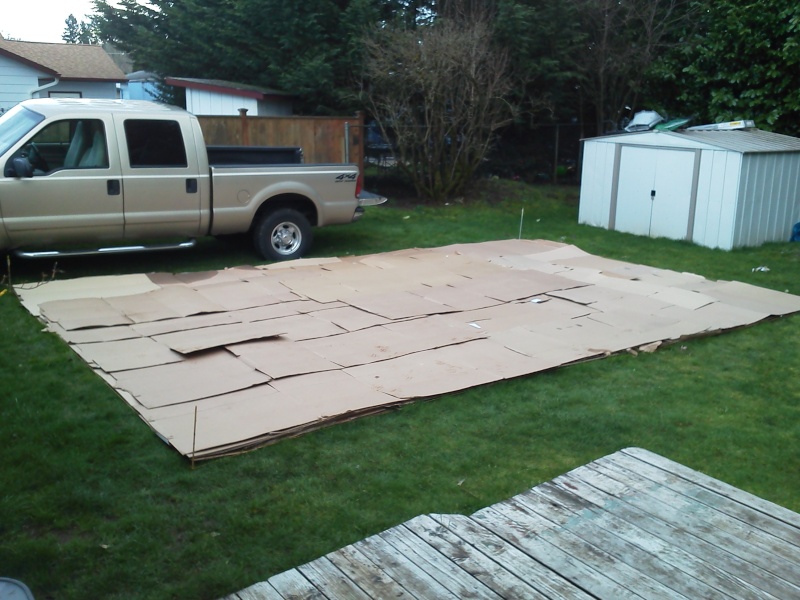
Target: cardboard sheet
[[218, 362]]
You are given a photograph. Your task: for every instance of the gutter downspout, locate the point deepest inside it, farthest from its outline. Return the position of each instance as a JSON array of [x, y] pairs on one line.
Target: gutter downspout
[[41, 88]]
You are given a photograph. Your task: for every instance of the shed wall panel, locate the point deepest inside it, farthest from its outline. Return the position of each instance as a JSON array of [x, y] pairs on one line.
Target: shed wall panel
[[729, 206], [716, 198], [596, 183], [769, 201]]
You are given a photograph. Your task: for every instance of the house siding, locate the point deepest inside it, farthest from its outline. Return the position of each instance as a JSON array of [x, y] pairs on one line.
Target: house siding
[[206, 103], [201, 102], [87, 89], [17, 82]]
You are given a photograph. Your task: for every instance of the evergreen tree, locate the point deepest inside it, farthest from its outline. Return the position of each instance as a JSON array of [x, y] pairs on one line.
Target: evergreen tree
[[72, 31]]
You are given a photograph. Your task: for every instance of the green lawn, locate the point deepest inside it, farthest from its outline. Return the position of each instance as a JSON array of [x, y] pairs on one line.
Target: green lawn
[[93, 505]]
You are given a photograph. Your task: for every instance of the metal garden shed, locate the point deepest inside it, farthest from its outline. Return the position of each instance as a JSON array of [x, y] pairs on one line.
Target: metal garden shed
[[720, 189]]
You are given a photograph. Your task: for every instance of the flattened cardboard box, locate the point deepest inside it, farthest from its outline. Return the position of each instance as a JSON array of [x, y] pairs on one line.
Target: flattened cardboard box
[[217, 362]]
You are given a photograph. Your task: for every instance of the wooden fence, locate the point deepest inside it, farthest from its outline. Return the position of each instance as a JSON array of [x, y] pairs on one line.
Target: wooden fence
[[323, 139]]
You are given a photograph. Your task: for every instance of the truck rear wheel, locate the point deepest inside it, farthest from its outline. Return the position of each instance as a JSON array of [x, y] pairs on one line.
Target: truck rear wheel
[[282, 234]]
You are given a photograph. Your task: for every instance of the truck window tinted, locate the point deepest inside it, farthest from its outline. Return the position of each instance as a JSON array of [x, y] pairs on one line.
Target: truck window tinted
[[155, 143], [67, 144]]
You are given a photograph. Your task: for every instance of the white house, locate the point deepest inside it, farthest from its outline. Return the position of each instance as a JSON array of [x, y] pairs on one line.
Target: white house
[[720, 189], [42, 70], [224, 98]]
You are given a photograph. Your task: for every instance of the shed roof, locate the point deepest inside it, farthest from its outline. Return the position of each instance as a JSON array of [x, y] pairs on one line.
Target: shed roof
[[745, 140], [67, 61], [226, 87]]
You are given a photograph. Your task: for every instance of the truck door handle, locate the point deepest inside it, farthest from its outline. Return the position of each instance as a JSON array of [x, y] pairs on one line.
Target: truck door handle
[[113, 187], [191, 186]]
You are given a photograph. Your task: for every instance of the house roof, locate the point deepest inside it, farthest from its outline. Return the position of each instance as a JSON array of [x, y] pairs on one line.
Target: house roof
[[66, 61], [226, 87]]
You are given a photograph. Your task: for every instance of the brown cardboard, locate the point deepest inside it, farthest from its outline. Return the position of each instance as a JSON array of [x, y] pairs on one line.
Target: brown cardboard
[[33, 295], [80, 313], [279, 357], [204, 376], [122, 355], [195, 340], [218, 362]]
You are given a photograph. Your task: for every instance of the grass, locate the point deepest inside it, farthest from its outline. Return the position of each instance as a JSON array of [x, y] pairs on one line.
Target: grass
[[92, 505]]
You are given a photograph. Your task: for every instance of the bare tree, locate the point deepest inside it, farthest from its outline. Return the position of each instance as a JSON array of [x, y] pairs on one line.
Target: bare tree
[[439, 92], [624, 39]]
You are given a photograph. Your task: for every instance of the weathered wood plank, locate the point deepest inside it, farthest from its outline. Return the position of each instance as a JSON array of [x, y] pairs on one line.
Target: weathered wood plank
[[473, 561], [586, 567], [369, 576], [765, 506], [522, 565], [326, 576], [721, 563], [713, 519], [739, 505], [629, 525], [291, 585], [397, 565], [663, 559], [756, 566], [642, 564], [258, 591], [448, 574]]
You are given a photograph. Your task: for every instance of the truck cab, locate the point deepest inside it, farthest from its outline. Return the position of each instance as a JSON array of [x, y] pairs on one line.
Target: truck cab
[[72, 177], [90, 172]]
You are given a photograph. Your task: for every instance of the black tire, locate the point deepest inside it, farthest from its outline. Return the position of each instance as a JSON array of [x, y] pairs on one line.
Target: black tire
[[282, 234]]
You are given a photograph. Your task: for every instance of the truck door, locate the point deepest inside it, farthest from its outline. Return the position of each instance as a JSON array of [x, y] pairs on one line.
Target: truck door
[[160, 179], [74, 193]]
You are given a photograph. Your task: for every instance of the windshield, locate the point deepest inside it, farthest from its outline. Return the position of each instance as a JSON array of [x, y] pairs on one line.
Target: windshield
[[14, 124]]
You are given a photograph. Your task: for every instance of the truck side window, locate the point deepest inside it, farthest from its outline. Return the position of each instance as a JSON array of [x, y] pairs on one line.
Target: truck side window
[[155, 143], [67, 144]]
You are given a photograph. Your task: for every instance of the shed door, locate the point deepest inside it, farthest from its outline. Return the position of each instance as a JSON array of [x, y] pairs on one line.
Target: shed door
[[654, 196]]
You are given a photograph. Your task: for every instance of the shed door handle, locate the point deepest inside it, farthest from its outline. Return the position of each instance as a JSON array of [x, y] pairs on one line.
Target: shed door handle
[[652, 194]]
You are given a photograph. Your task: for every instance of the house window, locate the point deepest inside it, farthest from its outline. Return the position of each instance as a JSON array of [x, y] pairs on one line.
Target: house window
[[155, 143]]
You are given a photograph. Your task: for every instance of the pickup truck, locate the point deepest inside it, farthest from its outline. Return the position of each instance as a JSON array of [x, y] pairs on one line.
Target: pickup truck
[[100, 176]]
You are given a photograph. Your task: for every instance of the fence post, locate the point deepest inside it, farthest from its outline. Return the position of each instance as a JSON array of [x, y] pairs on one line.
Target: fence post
[[347, 141], [362, 144], [245, 127]]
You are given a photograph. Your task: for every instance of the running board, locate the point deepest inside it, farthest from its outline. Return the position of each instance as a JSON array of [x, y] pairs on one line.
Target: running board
[[99, 251]]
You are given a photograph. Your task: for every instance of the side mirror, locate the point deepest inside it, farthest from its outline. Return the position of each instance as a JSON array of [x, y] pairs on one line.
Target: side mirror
[[22, 167]]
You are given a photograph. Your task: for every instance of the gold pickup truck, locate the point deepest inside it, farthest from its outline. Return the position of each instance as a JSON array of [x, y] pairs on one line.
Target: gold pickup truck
[[100, 176]]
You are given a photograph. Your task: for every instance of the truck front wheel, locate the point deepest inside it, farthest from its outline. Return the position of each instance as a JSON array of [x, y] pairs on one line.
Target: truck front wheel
[[282, 234]]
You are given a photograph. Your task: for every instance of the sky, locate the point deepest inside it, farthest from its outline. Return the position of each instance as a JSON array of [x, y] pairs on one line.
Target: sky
[[40, 20]]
